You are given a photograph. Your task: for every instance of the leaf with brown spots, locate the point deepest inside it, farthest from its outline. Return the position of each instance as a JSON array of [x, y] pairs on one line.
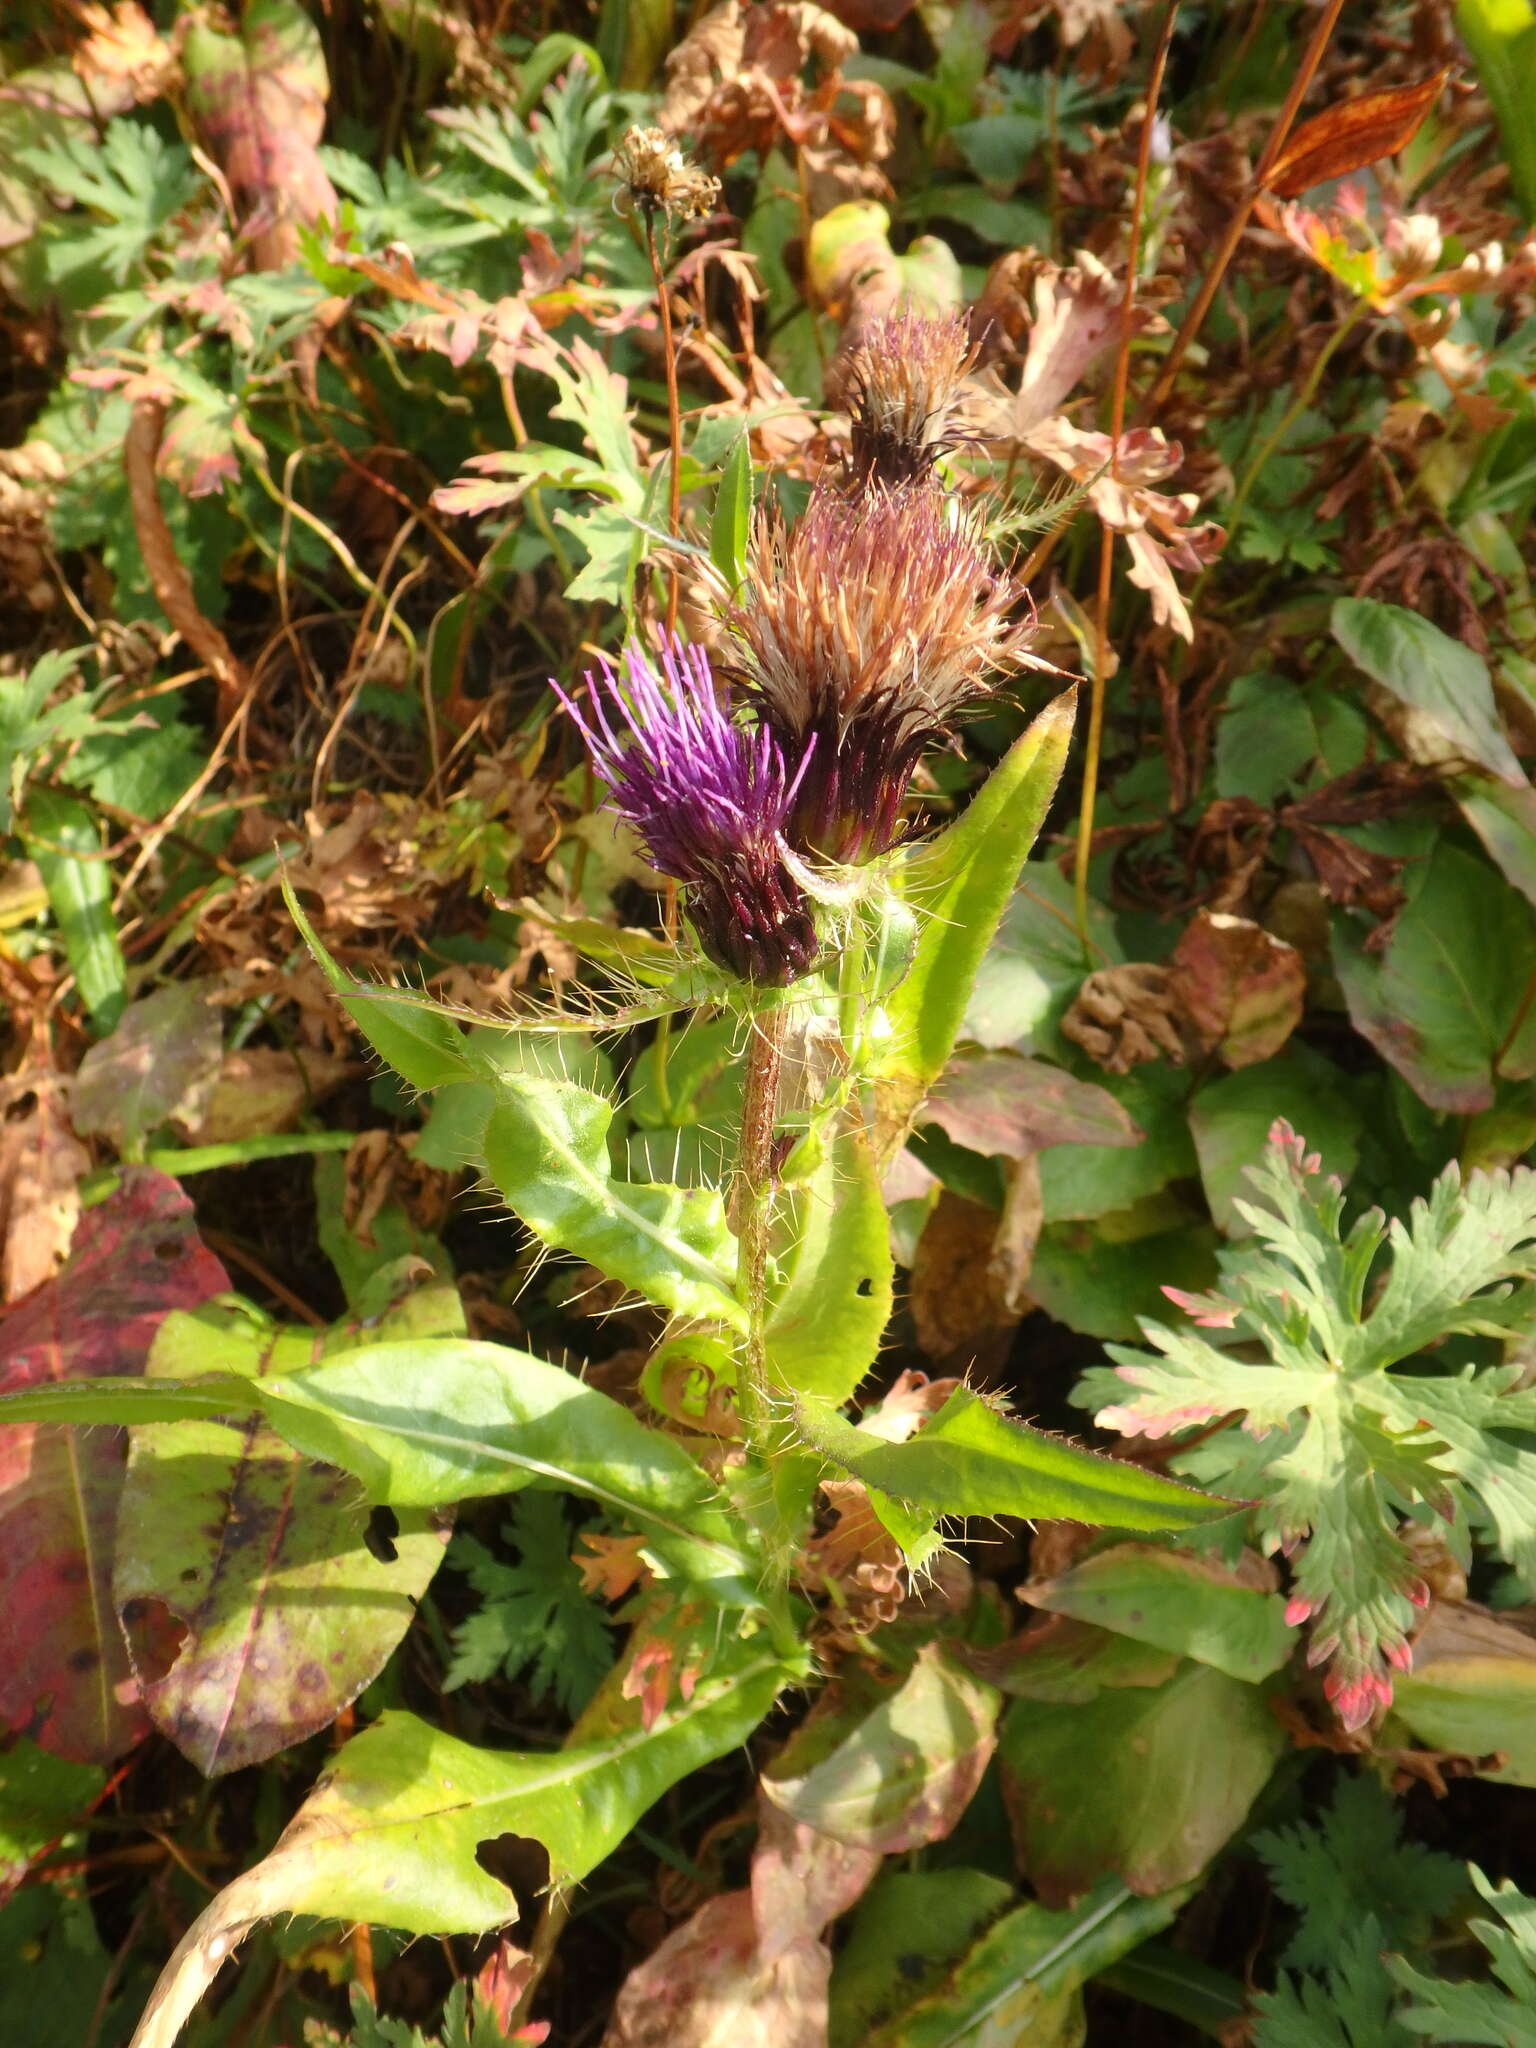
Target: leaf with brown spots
[[1353, 134], [260, 1553], [65, 1679]]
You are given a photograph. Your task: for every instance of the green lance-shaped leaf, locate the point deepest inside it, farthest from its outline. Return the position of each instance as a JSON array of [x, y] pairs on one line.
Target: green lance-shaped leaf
[[116, 1401], [389, 1834], [1501, 34], [959, 885], [424, 1046], [546, 1148], [970, 1460], [825, 1326], [732, 519], [426, 1423], [62, 836]]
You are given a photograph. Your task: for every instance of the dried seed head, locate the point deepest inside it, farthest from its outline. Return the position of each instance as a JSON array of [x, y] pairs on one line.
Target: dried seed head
[[902, 383], [867, 629], [656, 177], [709, 800]]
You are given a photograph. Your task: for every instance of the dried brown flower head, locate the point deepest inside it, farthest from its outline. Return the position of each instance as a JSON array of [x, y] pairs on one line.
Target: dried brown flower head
[[902, 383], [868, 628], [656, 177]]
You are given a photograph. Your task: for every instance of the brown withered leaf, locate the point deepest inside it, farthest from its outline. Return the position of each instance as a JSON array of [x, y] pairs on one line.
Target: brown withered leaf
[[1079, 316], [1123, 1016], [122, 48], [41, 1161], [1240, 988], [750, 1969], [159, 1063], [265, 1089], [1353, 134], [957, 1301]]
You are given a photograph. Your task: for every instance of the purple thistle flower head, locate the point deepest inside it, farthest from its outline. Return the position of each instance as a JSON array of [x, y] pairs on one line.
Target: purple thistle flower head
[[708, 799]]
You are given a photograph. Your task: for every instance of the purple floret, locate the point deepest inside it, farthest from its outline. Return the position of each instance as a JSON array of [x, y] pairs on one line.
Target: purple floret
[[708, 799]]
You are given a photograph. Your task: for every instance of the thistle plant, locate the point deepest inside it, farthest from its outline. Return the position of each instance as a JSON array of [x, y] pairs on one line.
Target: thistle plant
[[772, 790]]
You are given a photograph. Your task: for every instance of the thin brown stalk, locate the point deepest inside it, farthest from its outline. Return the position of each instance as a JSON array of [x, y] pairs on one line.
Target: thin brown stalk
[[674, 414], [1098, 679], [1194, 319]]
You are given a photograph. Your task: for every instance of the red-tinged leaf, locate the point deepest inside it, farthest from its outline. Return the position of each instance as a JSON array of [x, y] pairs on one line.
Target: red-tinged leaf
[[258, 100], [750, 1969], [998, 1103], [1241, 988], [64, 1673], [1347, 137]]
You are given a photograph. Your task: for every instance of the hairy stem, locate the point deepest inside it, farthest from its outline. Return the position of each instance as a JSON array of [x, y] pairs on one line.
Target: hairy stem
[[753, 1218]]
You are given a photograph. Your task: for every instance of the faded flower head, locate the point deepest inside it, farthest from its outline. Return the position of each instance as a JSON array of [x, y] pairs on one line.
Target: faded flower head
[[656, 177], [709, 800], [902, 382], [867, 629]]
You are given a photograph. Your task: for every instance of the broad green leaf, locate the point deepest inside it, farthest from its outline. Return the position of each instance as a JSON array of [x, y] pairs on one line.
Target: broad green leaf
[[1472, 1690], [896, 1775], [1441, 1000], [424, 1046], [390, 1833], [450, 1419], [1101, 1277], [1145, 1783], [1177, 1602], [1018, 1983], [908, 1928], [1265, 739], [41, 1798], [970, 1460], [1035, 964], [1445, 687], [546, 1149], [1081, 1181], [825, 1325], [1231, 1118], [959, 886], [732, 520], [260, 1552], [62, 836]]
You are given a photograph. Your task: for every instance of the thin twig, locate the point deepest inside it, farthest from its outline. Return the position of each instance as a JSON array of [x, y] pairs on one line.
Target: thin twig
[[553, 1914], [1098, 679], [1194, 319]]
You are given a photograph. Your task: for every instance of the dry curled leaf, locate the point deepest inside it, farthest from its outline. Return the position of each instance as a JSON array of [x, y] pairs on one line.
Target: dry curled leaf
[[41, 1161], [1123, 1016], [1156, 524], [1353, 134]]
